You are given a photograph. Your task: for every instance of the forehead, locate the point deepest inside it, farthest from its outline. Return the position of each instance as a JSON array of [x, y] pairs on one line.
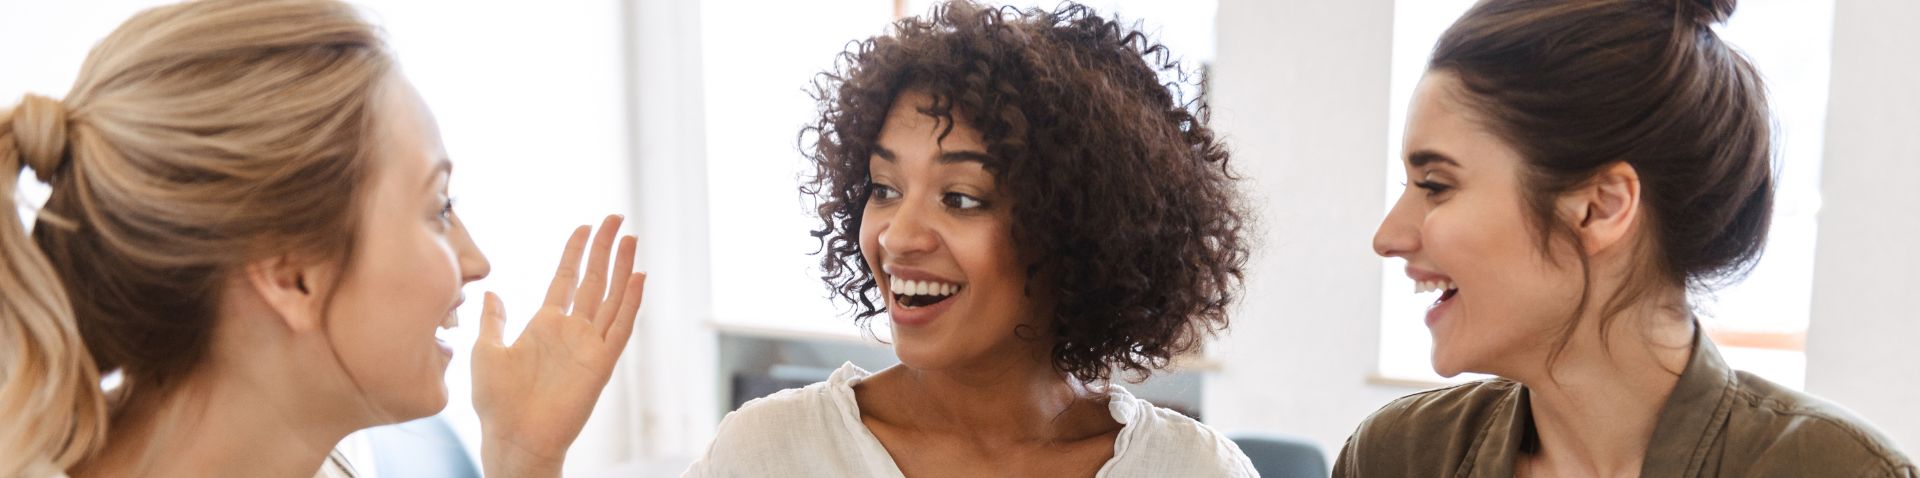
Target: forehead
[[909, 127], [407, 138], [1439, 120], [1436, 107]]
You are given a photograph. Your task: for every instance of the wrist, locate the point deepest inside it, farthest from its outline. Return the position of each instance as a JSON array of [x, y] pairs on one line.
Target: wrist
[[502, 458]]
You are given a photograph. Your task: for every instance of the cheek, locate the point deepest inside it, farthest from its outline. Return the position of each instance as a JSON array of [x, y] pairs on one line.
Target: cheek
[[870, 226], [991, 261], [424, 278], [402, 288], [1491, 251]]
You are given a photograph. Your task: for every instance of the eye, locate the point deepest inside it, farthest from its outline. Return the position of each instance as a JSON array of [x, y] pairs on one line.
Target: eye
[[884, 192], [1433, 188], [961, 201], [446, 209]]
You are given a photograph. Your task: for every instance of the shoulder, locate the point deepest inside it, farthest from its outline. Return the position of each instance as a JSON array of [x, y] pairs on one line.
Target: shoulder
[[784, 432], [1788, 426], [783, 412], [1161, 442], [1463, 408], [766, 431], [1433, 429]]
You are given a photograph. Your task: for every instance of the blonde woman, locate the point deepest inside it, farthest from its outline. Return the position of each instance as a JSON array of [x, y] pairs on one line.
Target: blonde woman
[[249, 222]]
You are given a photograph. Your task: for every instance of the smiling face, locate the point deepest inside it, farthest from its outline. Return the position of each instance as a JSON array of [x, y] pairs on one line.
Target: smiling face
[[1461, 226], [411, 259], [938, 236]]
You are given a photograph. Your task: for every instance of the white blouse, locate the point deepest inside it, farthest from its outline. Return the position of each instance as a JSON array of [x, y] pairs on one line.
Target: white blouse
[[816, 431]]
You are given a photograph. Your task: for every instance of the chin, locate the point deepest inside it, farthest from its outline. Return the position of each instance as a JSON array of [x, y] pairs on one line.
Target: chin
[[919, 355], [1445, 365], [424, 404], [915, 358]]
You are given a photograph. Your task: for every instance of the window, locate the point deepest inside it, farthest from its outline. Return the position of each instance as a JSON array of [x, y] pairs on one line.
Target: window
[[1760, 324]]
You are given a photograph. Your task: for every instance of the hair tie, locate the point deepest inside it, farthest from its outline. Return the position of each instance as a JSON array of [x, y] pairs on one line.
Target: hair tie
[[40, 133]]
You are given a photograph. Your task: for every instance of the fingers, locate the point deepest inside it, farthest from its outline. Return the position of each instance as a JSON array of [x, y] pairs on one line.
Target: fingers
[[622, 273], [493, 320], [568, 273], [593, 287], [629, 307]]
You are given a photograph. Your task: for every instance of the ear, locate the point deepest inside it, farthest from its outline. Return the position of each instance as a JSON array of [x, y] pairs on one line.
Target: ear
[[289, 286], [1604, 211]]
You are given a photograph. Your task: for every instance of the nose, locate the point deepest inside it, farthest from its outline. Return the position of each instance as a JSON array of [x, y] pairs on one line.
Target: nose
[[906, 233], [1399, 232], [473, 263]]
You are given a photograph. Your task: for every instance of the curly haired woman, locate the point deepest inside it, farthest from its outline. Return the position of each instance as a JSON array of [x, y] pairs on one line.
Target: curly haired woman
[[1034, 211]]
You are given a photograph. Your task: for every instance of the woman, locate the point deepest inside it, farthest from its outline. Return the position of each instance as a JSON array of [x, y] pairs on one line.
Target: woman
[[249, 223], [1577, 169], [1033, 211]]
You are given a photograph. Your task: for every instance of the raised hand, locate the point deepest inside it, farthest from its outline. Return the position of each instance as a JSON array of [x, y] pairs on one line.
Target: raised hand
[[534, 396]]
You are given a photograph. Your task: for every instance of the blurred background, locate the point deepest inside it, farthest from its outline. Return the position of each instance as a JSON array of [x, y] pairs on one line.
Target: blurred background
[[684, 115]]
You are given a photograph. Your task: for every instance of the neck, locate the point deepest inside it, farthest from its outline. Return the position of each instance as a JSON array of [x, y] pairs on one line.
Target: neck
[[261, 416], [1019, 397], [1595, 413]]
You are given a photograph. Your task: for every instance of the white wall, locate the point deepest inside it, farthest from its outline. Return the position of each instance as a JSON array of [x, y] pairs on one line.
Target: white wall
[[1300, 89], [1861, 343]]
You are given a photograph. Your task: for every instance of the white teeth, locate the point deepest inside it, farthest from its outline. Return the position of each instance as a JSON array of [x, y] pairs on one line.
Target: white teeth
[[910, 287], [1422, 287]]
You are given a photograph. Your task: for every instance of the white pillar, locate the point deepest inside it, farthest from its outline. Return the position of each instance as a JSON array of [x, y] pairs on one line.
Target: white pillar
[[1300, 89], [670, 373], [1861, 343]]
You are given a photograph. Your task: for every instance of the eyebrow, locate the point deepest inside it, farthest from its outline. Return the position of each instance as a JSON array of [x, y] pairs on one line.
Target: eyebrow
[[1425, 157], [948, 157], [444, 166]]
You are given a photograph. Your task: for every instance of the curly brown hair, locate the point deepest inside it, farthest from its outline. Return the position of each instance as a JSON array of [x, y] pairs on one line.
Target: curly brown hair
[[1123, 204]]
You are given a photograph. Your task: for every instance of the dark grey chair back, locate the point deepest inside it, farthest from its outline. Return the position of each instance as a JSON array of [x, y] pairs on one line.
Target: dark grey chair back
[[1283, 456]]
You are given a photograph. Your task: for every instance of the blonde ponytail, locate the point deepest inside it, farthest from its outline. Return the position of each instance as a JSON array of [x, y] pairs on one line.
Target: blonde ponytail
[[52, 412]]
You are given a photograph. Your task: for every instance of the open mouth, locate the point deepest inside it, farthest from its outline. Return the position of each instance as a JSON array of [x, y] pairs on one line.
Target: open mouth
[[910, 294], [1446, 287]]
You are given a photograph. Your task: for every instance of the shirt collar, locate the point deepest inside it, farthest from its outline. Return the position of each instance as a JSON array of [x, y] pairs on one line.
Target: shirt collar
[[1691, 418], [1688, 420]]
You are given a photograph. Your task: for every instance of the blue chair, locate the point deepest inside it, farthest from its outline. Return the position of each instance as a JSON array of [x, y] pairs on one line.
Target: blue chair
[[424, 448], [1283, 456]]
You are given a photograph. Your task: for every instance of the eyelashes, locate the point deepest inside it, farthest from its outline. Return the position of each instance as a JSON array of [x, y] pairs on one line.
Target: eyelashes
[[962, 202], [957, 201], [446, 209], [1433, 187]]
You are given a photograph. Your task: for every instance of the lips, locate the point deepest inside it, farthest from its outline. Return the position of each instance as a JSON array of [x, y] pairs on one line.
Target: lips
[[1425, 281], [449, 322], [917, 297], [914, 294], [453, 314]]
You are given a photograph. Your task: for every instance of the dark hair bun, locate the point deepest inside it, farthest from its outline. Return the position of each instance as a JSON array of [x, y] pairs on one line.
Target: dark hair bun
[[1705, 12]]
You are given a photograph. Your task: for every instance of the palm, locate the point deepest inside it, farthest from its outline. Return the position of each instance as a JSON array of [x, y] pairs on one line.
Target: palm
[[534, 395]]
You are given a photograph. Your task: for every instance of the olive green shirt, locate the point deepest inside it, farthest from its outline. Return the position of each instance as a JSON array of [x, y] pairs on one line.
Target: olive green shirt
[[1717, 422]]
